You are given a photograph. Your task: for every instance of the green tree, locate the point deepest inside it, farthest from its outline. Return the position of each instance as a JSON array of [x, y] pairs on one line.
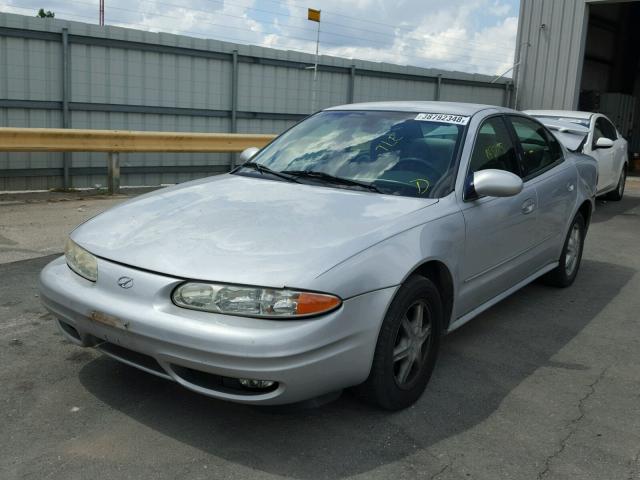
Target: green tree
[[48, 14]]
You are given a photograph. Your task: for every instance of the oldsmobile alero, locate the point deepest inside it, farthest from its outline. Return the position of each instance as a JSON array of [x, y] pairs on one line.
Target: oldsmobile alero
[[337, 256]]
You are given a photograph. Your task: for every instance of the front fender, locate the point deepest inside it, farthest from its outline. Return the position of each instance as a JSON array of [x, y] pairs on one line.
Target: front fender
[[390, 261]]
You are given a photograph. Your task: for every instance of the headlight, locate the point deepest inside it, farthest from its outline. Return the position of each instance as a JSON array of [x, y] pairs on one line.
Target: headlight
[[253, 301], [81, 261]]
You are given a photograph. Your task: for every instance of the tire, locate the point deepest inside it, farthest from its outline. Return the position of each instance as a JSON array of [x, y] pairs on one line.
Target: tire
[[565, 273], [616, 195], [393, 385]]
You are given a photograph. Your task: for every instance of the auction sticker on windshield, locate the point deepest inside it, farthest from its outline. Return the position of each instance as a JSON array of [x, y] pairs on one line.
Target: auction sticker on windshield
[[443, 118]]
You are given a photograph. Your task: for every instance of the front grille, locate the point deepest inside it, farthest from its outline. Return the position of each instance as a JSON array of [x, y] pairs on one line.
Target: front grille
[[205, 380], [135, 358]]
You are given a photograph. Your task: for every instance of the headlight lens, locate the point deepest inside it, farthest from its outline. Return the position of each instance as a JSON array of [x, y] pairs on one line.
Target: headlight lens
[[81, 261], [253, 301]]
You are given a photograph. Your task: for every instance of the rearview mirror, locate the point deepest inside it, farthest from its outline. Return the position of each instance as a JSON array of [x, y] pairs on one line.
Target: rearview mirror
[[604, 142], [248, 153], [496, 183]]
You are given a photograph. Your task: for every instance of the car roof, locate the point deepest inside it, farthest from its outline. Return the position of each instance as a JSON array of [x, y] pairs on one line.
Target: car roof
[[453, 108], [560, 113]]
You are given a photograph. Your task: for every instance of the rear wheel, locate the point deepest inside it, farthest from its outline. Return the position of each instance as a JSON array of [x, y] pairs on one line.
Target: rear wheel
[[407, 346], [569, 264], [617, 194]]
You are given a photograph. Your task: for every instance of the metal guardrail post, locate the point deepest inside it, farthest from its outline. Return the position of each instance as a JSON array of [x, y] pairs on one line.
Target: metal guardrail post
[[66, 123], [113, 173]]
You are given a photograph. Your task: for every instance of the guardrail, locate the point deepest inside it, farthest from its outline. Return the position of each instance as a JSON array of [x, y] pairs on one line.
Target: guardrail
[[114, 142]]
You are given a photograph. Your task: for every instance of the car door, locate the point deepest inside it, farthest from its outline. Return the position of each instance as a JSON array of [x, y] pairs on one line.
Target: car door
[[499, 231], [555, 181], [604, 156]]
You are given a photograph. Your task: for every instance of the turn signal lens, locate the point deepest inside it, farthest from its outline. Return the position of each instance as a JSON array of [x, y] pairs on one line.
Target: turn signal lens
[[253, 301], [312, 303]]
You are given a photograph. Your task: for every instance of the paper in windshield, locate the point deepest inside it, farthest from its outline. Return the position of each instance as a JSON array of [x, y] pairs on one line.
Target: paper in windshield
[[443, 118]]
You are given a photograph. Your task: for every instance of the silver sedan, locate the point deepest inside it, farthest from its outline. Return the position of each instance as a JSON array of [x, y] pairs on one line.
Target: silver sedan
[[337, 256]]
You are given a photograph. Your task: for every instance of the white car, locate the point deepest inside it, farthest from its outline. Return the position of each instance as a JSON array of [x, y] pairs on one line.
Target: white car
[[595, 135]]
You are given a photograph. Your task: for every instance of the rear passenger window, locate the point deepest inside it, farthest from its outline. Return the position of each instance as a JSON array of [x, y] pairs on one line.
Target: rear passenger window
[[493, 148], [539, 148]]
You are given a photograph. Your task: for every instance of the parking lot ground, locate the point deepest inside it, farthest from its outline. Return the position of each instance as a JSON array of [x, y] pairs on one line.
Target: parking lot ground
[[544, 385]]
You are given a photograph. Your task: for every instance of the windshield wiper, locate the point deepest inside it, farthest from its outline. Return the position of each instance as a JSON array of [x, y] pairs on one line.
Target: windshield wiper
[[263, 169], [326, 177]]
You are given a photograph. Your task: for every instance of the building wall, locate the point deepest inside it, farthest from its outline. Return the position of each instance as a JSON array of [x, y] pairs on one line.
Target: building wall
[[550, 46], [119, 78]]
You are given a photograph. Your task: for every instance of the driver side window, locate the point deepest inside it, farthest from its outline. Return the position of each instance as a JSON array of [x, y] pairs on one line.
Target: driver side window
[[493, 148]]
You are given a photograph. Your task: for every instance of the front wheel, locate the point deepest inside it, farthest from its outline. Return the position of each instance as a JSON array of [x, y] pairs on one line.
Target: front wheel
[[407, 346], [567, 270], [617, 194]]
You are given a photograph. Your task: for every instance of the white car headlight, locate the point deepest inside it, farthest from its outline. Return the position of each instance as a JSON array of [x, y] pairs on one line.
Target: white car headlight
[[81, 261], [253, 301]]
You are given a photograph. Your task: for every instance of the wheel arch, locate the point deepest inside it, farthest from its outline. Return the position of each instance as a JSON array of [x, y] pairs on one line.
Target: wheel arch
[[440, 275], [586, 209]]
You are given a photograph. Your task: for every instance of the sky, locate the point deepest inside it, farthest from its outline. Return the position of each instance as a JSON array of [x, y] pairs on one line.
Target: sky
[[476, 36]]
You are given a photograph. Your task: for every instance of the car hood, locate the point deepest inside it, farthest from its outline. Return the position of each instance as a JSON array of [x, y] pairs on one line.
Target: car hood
[[245, 230]]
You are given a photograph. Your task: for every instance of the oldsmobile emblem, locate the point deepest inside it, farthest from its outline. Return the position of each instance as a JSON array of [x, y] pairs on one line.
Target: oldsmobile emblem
[[125, 282]]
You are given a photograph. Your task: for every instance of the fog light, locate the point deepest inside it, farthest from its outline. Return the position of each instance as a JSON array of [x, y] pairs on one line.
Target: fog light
[[253, 383]]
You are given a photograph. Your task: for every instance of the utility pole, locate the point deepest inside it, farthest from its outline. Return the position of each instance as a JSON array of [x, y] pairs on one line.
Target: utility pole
[[314, 16], [101, 13]]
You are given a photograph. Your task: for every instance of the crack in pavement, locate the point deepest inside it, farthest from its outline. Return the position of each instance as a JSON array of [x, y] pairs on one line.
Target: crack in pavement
[[573, 423], [440, 472]]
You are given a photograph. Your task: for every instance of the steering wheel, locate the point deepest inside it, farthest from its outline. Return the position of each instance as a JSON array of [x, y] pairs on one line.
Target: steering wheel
[[424, 167], [362, 157]]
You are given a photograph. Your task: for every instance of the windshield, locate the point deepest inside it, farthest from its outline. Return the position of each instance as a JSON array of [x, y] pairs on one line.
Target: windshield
[[394, 153], [579, 121]]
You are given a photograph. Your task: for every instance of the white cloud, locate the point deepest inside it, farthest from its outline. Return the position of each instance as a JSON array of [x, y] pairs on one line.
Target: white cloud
[[468, 35]]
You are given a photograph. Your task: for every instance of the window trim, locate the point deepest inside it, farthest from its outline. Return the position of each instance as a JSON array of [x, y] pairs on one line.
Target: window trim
[[520, 150], [465, 183], [457, 160]]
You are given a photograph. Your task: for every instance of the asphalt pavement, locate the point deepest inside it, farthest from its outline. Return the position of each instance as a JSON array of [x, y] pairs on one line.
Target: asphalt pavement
[[544, 385]]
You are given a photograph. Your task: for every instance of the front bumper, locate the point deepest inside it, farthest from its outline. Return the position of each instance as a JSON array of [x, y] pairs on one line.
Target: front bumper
[[142, 327]]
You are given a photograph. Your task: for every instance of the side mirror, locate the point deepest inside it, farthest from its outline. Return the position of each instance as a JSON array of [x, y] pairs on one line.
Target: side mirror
[[248, 153], [604, 142], [496, 183]]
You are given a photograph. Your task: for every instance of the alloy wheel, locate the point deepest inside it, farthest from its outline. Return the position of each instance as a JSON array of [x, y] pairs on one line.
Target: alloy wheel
[[412, 344], [573, 250]]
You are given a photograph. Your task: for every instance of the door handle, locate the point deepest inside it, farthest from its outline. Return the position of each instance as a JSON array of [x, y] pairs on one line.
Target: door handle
[[528, 206]]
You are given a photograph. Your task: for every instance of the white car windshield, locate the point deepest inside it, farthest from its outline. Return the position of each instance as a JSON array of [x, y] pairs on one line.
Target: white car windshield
[[398, 153]]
